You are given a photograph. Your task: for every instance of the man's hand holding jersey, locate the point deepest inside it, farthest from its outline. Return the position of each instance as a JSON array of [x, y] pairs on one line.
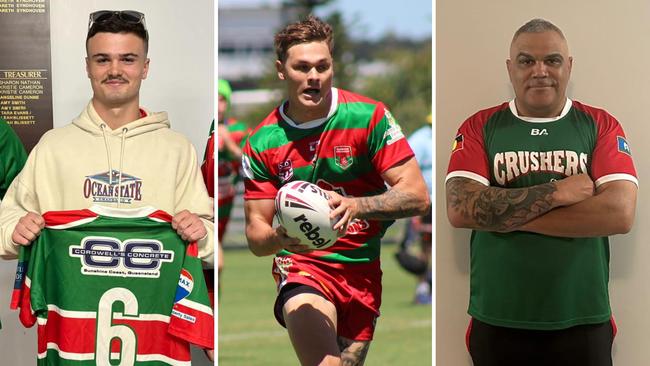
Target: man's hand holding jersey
[[189, 226], [28, 228]]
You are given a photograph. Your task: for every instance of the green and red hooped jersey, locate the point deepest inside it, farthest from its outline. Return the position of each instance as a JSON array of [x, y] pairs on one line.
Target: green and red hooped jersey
[[228, 168], [344, 152], [105, 284], [527, 280]]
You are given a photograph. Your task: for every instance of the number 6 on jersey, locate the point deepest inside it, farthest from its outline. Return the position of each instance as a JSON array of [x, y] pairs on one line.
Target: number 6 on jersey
[[106, 331]]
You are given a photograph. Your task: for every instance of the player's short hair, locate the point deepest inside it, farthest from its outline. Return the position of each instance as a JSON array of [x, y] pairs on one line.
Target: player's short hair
[[311, 29], [117, 24], [538, 25]]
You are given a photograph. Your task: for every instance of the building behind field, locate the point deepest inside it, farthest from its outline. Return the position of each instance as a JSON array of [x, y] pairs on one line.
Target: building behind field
[[246, 37], [246, 55]]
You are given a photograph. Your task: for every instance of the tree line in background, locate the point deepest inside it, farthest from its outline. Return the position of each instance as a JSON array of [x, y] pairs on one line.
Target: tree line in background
[[404, 84]]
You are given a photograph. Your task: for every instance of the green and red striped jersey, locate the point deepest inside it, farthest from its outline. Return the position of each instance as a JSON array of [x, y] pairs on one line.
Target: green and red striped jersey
[[228, 168], [107, 284], [527, 280], [344, 152]]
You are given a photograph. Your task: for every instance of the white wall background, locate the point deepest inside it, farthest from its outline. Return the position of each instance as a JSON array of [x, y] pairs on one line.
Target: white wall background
[[180, 81], [608, 41]]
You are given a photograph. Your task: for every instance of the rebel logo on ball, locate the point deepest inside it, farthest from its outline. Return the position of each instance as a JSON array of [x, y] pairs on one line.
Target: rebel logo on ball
[[311, 231]]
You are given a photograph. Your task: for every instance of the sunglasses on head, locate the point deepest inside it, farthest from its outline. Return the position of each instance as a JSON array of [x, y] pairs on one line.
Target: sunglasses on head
[[128, 16]]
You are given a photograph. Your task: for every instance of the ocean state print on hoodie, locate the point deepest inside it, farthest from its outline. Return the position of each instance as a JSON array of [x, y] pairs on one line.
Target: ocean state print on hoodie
[[143, 163], [111, 188]]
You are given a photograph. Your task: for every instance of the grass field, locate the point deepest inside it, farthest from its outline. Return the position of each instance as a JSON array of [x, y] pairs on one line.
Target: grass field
[[250, 336]]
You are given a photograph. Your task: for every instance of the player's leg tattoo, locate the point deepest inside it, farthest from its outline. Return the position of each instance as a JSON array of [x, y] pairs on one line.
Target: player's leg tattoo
[[353, 353]]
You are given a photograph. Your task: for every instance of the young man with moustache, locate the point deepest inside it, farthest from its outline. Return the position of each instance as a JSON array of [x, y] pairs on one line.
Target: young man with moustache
[[542, 180], [351, 146], [111, 142], [115, 154]]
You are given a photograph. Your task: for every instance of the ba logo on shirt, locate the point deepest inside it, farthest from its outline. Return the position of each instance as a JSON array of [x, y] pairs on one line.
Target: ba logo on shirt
[[538, 132], [107, 187], [623, 145]]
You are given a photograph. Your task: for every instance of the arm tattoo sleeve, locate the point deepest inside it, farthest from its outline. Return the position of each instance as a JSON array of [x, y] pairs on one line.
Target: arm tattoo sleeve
[[498, 209], [390, 205]]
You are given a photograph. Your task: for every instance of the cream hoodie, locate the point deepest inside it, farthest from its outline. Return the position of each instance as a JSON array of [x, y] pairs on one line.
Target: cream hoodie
[[83, 163]]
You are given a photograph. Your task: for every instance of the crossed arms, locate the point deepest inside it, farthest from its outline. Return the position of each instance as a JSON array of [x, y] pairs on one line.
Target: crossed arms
[[565, 208]]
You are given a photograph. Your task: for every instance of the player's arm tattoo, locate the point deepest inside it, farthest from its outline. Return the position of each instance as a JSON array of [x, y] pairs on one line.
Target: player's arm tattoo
[[390, 205], [353, 353], [498, 209]]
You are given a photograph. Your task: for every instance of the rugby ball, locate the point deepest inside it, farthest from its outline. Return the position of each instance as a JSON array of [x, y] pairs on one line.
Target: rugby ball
[[302, 209]]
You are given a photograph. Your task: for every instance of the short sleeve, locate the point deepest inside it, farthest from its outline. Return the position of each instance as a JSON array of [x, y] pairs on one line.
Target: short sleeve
[[468, 156], [387, 145], [192, 317], [258, 182], [612, 156]]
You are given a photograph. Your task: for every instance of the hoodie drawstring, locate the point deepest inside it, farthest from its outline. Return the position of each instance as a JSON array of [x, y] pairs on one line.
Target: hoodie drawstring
[[110, 164], [108, 153], [119, 184]]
